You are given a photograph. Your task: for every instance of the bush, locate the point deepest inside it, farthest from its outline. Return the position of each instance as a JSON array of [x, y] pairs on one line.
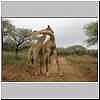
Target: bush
[[76, 50]]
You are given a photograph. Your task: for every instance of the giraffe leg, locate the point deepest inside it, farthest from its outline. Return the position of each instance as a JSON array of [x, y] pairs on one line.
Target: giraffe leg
[[58, 67], [41, 64], [47, 62], [32, 60]]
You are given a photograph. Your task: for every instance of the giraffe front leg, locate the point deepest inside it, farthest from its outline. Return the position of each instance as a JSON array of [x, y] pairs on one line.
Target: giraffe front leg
[[47, 64], [41, 65]]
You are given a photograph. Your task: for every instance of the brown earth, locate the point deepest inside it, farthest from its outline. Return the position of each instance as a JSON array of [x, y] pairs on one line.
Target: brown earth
[[68, 72]]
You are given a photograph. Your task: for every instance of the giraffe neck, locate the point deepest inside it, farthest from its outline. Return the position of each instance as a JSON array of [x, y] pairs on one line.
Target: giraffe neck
[[41, 40]]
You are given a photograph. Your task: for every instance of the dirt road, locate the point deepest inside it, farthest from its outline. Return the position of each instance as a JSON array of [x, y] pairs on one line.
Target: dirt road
[[68, 73]]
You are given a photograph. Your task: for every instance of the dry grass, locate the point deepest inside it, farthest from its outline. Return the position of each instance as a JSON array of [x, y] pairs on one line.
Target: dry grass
[[74, 68]]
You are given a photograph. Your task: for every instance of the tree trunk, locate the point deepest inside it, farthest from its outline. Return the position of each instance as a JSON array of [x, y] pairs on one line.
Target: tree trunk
[[16, 52]]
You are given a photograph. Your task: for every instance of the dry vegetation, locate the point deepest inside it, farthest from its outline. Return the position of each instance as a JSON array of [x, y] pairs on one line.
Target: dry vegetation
[[74, 68]]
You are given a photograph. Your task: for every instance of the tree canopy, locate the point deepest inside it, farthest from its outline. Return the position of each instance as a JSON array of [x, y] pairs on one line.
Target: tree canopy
[[13, 35], [91, 30]]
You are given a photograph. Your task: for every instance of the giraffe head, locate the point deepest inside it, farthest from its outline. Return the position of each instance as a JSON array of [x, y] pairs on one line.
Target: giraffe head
[[49, 29]]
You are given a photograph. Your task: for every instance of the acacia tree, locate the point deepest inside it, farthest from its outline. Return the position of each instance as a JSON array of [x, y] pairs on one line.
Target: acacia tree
[[7, 27], [19, 35], [91, 30]]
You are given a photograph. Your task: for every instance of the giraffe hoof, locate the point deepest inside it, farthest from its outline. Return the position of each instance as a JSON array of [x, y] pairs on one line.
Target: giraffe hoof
[[47, 74], [36, 74], [61, 74]]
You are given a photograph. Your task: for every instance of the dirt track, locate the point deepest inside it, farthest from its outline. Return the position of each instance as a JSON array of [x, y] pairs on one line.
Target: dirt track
[[68, 72]]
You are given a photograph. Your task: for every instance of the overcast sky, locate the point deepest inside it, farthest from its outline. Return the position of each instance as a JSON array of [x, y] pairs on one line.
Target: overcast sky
[[68, 31]]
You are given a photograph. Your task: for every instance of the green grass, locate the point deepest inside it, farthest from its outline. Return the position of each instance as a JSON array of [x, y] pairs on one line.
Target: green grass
[[11, 58]]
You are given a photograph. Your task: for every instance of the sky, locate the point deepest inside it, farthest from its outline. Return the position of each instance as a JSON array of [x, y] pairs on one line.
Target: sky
[[67, 31]]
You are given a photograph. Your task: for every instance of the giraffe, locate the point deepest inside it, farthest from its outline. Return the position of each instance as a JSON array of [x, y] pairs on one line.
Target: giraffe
[[43, 49], [34, 50], [47, 50], [48, 47]]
